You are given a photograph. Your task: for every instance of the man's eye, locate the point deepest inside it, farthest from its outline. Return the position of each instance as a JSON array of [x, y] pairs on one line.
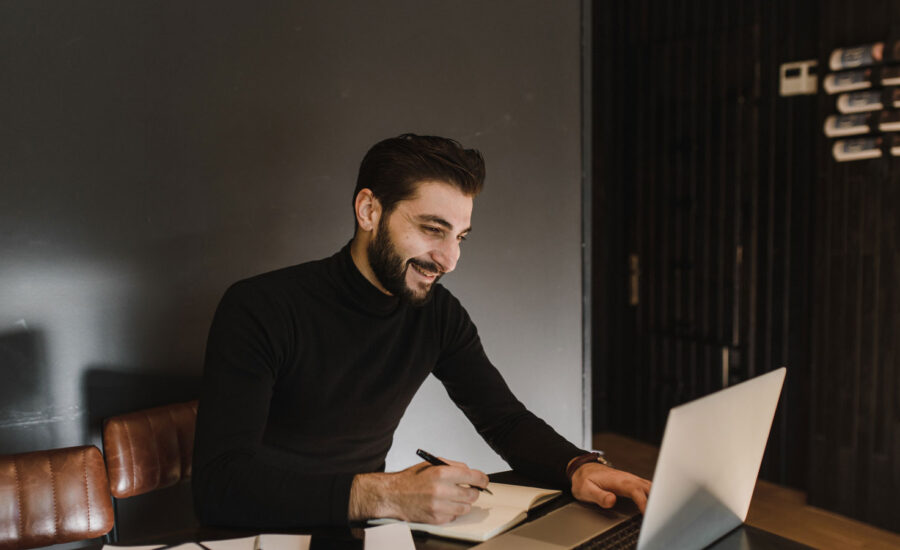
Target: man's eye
[[463, 237], [433, 230]]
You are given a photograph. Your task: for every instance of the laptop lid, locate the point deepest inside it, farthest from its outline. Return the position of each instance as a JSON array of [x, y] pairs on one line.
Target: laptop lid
[[704, 479], [708, 464]]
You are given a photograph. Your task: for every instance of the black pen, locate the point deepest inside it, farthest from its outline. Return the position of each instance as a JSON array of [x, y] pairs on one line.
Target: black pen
[[435, 461]]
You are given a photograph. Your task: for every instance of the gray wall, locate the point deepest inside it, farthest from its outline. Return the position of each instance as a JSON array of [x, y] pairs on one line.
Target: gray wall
[[151, 153]]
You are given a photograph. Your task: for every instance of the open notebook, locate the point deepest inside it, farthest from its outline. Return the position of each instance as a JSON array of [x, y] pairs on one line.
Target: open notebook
[[490, 515]]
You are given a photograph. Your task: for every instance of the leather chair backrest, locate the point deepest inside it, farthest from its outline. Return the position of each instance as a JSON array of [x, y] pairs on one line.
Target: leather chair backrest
[[54, 496], [149, 449]]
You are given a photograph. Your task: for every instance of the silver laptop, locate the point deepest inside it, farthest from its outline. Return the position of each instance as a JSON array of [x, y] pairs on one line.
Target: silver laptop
[[707, 468]]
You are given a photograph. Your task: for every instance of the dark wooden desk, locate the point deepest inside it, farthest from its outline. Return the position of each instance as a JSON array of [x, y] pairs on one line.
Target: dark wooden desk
[[336, 538], [774, 508]]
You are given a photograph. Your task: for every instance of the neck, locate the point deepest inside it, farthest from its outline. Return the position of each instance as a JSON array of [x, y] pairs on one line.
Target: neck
[[359, 251]]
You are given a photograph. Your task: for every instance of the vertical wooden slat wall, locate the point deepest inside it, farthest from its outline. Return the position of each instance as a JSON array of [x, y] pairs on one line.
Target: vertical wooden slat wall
[[855, 371], [750, 246]]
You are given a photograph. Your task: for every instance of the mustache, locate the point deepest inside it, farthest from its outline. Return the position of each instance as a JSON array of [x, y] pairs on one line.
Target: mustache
[[427, 266]]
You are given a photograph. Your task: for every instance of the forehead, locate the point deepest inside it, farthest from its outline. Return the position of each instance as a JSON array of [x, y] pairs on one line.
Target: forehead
[[435, 198]]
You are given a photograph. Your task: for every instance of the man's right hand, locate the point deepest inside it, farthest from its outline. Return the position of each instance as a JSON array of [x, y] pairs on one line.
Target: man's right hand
[[422, 493]]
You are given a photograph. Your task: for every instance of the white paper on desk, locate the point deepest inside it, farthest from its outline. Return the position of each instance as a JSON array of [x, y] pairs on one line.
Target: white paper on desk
[[145, 547], [244, 543], [393, 536], [268, 541]]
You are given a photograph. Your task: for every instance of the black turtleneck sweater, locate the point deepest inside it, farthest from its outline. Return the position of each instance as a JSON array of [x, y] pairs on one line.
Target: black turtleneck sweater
[[308, 371]]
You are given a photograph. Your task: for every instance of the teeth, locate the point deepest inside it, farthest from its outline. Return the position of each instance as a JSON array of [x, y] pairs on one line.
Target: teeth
[[423, 272]]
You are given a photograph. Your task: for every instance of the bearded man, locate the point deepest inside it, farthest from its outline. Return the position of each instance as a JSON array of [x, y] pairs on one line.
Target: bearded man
[[309, 368]]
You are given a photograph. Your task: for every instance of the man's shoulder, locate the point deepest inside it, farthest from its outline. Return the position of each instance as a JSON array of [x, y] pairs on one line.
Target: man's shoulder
[[288, 274], [444, 301], [284, 280]]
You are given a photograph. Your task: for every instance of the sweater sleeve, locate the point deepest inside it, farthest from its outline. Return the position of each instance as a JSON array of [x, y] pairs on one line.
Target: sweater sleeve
[[237, 480], [525, 441]]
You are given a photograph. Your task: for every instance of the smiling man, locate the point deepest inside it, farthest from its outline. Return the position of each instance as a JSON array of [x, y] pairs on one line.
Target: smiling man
[[428, 226], [309, 369]]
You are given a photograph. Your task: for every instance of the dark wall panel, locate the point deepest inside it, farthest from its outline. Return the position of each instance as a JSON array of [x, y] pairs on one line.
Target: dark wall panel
[[855, 425], [740, 245], [153, 152]]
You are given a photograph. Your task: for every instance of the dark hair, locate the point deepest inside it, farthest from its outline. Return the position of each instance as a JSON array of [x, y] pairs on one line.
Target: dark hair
[[392, 168]]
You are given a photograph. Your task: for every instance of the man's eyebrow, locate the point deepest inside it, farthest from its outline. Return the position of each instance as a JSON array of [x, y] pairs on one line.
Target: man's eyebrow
[[441, 221]]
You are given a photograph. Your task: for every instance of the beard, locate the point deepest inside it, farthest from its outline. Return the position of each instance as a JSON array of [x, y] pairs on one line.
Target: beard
[[390, 269]]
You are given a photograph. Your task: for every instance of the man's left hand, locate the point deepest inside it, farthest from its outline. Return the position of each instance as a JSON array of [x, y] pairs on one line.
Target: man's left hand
[[600, 484]]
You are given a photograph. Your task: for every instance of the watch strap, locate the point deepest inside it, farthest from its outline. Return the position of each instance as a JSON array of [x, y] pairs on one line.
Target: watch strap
[[586, 458]]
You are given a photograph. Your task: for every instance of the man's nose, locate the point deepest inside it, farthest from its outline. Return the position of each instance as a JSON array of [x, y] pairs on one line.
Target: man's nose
[[447, 255]]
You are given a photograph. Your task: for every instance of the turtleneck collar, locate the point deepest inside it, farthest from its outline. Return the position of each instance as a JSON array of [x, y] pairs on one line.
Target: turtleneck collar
[[360, 291]]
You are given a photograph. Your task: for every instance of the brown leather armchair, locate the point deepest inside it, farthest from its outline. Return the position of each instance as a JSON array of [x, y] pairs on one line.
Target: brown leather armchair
[[149, 449], [54, 496]]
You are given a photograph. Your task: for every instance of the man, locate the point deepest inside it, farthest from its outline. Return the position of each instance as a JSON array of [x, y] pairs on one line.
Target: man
[[310, 368]]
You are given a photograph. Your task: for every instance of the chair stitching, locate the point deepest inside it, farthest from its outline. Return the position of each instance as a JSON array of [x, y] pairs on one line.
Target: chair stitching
[[178, 439], [131, 452], [19, 499], [159, 466], [87, 494], [53, 491]]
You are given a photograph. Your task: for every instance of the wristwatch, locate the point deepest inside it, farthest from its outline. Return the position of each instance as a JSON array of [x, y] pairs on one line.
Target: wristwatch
[[581, 460]]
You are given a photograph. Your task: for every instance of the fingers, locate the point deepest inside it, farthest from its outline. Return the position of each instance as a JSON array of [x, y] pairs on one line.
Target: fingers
[[480, 479], [460, 474], [639, 491], [475, 478], [593, 493], [453, 492], [600, 484], [454, 462], [639, 496], [435, 494], [444, 512], [447, 502]]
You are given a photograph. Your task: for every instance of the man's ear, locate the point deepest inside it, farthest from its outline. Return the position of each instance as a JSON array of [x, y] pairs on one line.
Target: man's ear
[[368, 210]]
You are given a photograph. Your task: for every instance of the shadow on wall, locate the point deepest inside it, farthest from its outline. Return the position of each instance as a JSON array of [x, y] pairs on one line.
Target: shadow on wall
[[29, 417], [31, 420], [109, 393]]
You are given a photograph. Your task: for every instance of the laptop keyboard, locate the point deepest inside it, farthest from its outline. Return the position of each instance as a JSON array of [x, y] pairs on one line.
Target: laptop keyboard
[[622, 536]]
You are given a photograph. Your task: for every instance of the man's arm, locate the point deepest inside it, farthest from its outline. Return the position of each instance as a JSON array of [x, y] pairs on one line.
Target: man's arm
[[237, 480], [422, 493], [240, 481], [534, 449], [525, 441]]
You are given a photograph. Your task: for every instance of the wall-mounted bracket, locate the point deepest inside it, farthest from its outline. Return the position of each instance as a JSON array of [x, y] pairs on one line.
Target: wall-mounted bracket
[[799, 78]]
